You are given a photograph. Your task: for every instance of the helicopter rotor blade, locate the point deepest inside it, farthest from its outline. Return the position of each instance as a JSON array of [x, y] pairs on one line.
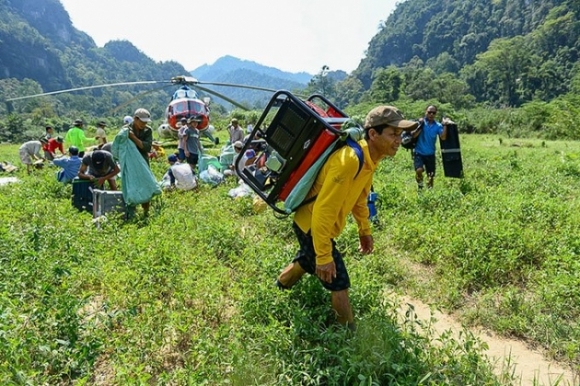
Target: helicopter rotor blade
[[233, 102], [86, 88], [136, 97], [238, 86]]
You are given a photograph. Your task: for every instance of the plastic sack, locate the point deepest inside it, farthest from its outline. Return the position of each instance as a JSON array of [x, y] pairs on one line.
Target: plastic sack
[[205, 160], [242, 190], [139, 184], [211, 176]]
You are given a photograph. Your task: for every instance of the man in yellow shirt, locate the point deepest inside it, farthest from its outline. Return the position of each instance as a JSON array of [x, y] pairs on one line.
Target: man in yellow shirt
[[340, 188]]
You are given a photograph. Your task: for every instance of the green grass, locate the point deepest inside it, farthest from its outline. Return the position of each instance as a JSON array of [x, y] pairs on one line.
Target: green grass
[[187, 296]]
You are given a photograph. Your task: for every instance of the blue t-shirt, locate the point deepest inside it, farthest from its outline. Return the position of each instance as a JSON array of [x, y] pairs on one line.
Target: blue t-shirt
[[427, 138]]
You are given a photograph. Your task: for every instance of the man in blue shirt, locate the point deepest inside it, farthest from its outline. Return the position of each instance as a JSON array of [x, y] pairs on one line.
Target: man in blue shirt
[[70, 165], [424, 152]]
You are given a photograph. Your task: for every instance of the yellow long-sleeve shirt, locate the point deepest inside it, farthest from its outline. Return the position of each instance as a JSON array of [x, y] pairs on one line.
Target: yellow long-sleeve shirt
[[338, 194]]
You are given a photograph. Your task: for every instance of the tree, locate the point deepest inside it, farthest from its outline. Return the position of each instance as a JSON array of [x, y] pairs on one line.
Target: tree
[[321, 83], [387, 84], [348, 91], [505, 64]]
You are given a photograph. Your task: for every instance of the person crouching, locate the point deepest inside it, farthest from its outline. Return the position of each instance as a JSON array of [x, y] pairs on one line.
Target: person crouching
[[98, 167]]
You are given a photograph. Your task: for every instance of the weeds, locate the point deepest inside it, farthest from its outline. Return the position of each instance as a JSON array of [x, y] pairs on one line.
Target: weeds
[[188, 296]]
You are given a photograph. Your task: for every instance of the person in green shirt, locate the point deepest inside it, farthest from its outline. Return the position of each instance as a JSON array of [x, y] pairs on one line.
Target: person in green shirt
[[75, 136]]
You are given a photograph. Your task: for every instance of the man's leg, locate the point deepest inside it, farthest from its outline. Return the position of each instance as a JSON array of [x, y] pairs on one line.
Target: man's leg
[[341, 305], [430, 178], [418, 164], [290, 275], [112, 183], [146, 206], [306, 255], [430, 168]]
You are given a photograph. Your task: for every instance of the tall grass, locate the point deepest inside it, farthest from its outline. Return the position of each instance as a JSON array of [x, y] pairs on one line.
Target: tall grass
[[186, 296]]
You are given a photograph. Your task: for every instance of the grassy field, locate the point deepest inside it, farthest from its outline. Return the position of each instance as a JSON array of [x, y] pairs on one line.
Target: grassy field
[[187, 296]]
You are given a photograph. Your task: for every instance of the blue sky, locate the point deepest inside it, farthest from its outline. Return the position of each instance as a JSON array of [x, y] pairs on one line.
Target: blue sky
[[294, 36]]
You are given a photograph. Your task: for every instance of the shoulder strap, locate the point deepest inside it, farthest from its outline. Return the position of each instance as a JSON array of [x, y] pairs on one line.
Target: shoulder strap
[[358, 151]]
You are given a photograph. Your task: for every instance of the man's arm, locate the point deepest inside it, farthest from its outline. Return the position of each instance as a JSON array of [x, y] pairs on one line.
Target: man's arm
[[171, 177], [443, 134], [145, 143], [361, 213], [185, 139], [328, 206], [82, 174]]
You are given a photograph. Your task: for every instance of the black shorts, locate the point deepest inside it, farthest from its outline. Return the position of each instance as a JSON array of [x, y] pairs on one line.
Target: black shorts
[[306, 257], [192, 159], [426, 161]]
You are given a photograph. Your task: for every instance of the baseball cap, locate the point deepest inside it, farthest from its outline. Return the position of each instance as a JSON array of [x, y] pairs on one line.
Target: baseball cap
[[102, 123], [250, 153], [59, 139], [195, 118], [128, 119], [388, 116], [78, 122], [143, 115], [183, 119], [238, 144], [172, 158], [98, 158]]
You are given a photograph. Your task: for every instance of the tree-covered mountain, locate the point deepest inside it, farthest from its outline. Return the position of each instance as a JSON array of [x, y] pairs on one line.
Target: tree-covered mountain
[[502, 52], [229, 69], [228, 64], [462, 53], [42, 51]]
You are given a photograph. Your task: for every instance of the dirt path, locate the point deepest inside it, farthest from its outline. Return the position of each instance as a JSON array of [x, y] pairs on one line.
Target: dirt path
[[530, 365]]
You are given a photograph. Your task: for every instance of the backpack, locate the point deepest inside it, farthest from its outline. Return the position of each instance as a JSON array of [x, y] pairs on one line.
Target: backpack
[[408, 141]]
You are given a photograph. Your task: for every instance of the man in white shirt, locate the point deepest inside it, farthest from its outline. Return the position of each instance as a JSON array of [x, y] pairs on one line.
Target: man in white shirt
[[180, 175]]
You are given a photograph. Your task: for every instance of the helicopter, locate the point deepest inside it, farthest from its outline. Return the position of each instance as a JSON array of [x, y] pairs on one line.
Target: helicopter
[[185, 102]]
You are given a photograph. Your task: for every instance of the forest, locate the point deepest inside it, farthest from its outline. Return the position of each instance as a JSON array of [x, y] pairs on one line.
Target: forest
[[508, 67]]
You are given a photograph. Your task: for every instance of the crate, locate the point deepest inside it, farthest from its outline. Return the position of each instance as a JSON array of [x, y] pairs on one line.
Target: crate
[[82, 195], [107, 202]]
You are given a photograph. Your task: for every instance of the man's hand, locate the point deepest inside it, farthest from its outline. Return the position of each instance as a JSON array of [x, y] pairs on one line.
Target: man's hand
[[366, 244], [326, 272], [445, 121]]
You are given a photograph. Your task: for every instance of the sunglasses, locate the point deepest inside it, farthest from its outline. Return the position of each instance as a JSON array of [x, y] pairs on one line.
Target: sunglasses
[[431, 112]]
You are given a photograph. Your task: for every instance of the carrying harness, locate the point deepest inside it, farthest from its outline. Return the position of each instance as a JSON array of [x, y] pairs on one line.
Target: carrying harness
[[359, 153]]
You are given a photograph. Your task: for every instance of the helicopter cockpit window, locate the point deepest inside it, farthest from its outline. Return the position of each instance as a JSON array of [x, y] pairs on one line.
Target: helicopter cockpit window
[[184, 93], [179, 108]]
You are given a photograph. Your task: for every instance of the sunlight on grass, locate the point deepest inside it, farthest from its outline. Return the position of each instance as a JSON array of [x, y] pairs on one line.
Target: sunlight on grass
[[187, 296]]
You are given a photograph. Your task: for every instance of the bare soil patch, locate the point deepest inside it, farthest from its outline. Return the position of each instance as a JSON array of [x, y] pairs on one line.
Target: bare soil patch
[[530, 366]]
